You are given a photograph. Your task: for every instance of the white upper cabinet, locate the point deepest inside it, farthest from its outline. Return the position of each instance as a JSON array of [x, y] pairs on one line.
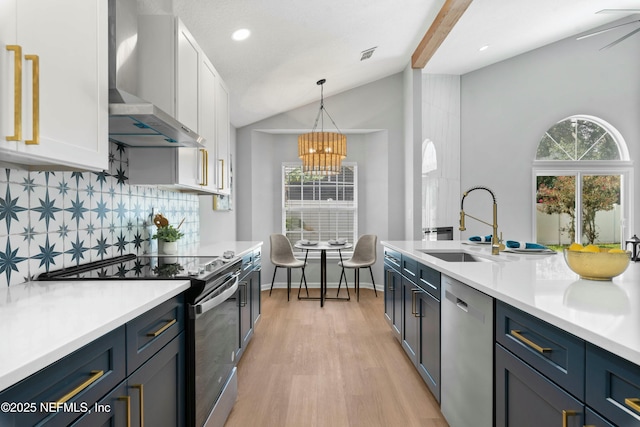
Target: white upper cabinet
[[207, 120], [224, 139], [177, 77], [54, 84]]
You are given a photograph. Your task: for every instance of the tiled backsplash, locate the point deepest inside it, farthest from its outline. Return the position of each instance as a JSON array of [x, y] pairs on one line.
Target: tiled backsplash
[[51, 220]]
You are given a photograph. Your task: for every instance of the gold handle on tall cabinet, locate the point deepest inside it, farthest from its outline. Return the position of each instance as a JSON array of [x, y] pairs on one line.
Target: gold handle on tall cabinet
[[633, 403], [221, 175], [93, 378], [516, 334], [161, 330], [565, 416], [202, 167], [206, 167], [36, 99], [127, 400], [140, 388], [17, 97]]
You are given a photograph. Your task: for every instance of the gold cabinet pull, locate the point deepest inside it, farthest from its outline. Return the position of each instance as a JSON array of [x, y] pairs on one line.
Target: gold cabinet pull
[[633, 403], [161, 330], [516, 334], [565, 416], [127, 400], [17, 97], [93, 378], [206, 167], [203, 181], [140, 388], [36, 99], [221, 175]]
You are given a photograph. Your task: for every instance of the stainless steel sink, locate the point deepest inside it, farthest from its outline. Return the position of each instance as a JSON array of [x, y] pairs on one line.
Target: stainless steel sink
[[456, 256]]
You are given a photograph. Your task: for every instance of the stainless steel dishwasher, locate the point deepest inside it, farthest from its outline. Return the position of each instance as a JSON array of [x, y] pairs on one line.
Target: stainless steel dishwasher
[[467, 355]]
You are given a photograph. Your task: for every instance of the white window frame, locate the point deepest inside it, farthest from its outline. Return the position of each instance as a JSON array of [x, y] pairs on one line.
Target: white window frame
[[354, 208], [581, 168]]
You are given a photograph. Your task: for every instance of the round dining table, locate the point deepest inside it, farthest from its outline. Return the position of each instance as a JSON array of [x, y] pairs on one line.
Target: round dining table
[[323, 247]]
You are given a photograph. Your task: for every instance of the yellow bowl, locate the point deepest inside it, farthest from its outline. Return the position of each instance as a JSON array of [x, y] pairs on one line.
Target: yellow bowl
[[597, 265]]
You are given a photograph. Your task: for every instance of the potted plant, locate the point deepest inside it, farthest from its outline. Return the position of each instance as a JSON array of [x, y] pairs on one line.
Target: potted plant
[[167, 234]]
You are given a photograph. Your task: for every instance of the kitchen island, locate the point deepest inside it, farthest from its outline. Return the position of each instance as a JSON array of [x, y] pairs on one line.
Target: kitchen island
[[554, 348], [544, 286]]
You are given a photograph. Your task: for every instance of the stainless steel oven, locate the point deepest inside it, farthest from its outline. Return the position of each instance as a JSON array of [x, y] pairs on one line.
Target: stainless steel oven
[[212, 324], [214, 317]]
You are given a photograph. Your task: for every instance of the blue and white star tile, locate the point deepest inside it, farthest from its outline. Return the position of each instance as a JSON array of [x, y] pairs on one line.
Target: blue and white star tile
[[101, 211], [14, 258], [100, 246], [14, 208], [76, 249], [76, 211], [46, 254], [42, 178], [14, 175], [46, 213]]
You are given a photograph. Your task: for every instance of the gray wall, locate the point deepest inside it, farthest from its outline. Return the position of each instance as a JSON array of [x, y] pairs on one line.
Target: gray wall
[[507, 107], [372, 118]]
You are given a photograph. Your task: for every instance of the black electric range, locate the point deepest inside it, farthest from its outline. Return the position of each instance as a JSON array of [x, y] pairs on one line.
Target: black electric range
[[200, 270]]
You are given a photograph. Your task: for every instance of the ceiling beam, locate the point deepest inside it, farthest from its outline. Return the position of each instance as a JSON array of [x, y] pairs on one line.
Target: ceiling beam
[[449, 14]]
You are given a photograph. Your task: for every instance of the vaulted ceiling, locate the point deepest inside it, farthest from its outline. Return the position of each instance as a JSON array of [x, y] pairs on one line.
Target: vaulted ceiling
[[293, 43]]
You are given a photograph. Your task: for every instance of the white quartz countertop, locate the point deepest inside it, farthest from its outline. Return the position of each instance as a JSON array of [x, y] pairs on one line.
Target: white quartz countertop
[[239, 248], [603, 313], [42, 322]]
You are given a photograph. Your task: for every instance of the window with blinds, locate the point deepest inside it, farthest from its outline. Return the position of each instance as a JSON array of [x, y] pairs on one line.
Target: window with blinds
[[319, 207]]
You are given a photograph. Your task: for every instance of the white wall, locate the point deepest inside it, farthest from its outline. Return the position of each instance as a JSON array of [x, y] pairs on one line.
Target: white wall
[[507, 107], [371, 116], [441, 125]]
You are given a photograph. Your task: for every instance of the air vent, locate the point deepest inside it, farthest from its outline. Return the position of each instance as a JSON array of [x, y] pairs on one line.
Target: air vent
[[366, 54]]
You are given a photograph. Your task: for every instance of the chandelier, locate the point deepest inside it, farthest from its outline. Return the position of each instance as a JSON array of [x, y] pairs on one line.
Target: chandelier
[[322, 152]]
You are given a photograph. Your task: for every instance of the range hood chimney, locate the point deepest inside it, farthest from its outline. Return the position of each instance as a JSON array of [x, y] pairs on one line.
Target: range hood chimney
[[133, 121]]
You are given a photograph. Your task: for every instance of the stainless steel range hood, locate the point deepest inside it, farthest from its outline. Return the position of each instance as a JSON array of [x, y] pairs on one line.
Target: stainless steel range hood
[[133, 121]]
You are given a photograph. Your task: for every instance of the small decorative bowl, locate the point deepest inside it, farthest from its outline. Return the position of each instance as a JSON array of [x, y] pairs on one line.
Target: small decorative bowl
[[601, 265]]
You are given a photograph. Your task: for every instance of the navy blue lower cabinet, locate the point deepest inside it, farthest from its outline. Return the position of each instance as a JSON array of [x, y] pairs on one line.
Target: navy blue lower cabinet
[[525, 398], [64, 391], [255, 292], [592, 419], [429, 354], [112, 410], [613, 387], [393, 298], [410, 320], [157, 388]]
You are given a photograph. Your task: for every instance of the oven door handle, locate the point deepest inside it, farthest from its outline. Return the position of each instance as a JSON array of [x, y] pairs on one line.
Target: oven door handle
[[200, 309]]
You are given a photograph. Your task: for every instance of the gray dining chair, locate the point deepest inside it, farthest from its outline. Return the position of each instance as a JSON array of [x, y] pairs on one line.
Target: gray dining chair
[[282, 256], [364, 256]]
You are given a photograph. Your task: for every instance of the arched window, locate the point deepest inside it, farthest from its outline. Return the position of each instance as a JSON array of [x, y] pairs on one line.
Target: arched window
[[582, 183]]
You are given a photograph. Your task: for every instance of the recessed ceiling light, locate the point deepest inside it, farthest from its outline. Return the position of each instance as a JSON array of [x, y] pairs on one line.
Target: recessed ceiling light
[[241, 34], [483, 48]]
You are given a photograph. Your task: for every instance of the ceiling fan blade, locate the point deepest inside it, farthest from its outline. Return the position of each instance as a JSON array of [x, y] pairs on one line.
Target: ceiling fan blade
[[606, 30], [621, 39]]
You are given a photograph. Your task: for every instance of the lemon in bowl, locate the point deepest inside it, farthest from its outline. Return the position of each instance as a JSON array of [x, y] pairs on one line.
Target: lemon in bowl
[[594, 263]]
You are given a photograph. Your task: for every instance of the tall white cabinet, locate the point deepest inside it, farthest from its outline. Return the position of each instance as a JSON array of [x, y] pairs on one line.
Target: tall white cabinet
[[177, 76], [54, 84]]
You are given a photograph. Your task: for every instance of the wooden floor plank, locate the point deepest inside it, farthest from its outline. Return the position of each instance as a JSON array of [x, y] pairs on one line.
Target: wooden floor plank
[[335, 366]]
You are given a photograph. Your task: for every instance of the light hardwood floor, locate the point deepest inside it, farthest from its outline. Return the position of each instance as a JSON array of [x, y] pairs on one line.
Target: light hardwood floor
[[334, 366]]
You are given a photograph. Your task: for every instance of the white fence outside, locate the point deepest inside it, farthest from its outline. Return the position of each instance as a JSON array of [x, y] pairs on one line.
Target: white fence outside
[[548, 227]]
